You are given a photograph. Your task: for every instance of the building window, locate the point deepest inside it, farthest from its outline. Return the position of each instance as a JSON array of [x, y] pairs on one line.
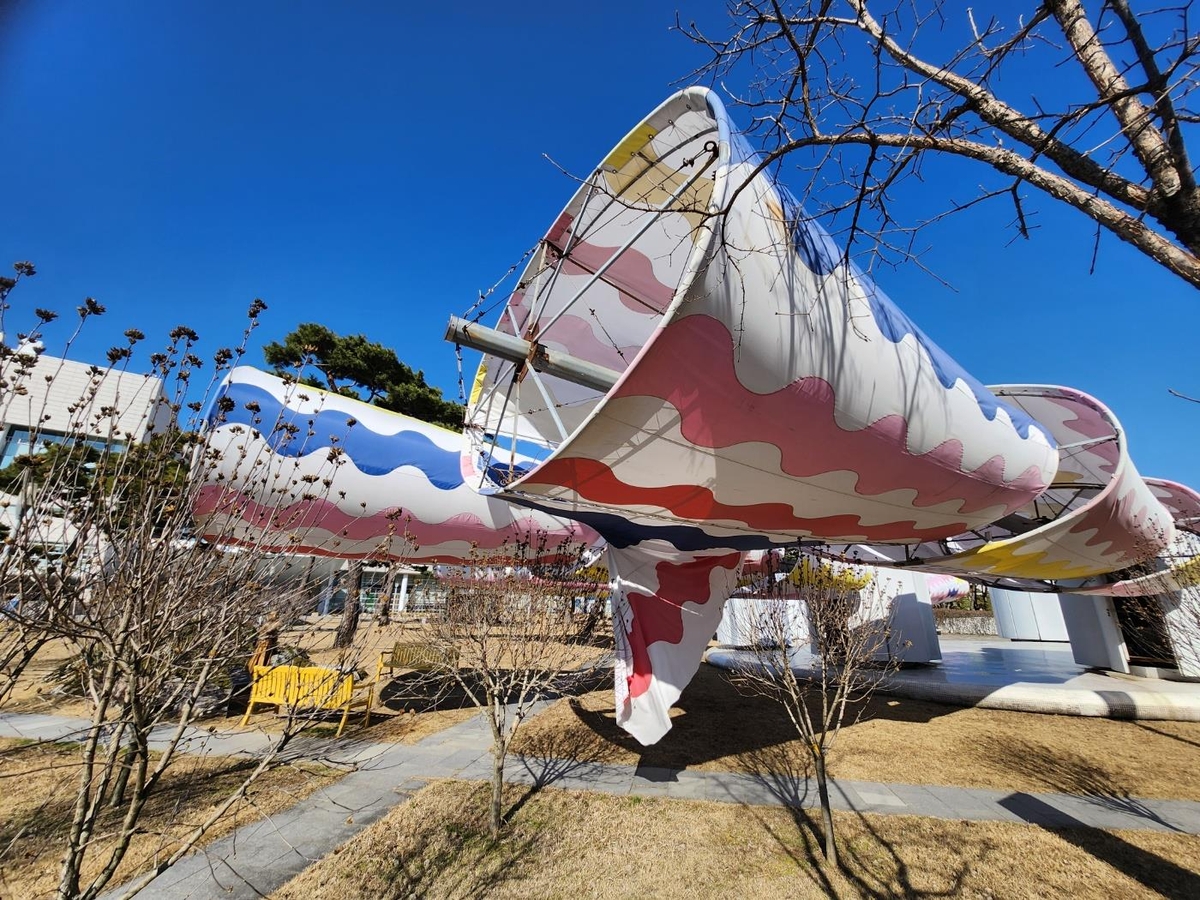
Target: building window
[[21, 442]]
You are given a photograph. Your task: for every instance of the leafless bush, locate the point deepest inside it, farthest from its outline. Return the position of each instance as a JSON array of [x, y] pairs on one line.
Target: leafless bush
[[839, 613], [508, 637], [99, 558]]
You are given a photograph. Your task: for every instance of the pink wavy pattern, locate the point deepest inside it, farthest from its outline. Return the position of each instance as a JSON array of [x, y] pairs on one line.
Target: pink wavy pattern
[[308, 515], [578, 336], [1124, 522], [571, 267], [691, 366], [593, 480], [659, 616], [1089, 422], [633, 272], [1182, 502]]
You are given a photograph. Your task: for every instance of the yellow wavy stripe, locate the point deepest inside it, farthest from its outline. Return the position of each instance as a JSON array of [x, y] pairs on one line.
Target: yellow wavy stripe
[[1004, 559], [477, 387], [1187, 574], [625, 150]]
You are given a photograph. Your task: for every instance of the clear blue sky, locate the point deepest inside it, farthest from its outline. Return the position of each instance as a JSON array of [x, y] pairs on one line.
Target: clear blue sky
[[372, 166]]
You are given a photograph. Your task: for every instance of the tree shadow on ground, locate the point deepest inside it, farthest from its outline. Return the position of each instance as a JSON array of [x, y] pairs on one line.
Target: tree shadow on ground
[[552, 756], [1167, 734], [421, 693], [460, 859], [1065, 772], [787, 776], [1155, 872], [713, 720], [34, 829], [1069, 773]]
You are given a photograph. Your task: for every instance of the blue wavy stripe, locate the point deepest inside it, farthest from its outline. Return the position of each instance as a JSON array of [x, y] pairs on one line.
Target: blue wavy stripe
[[821, 255], [498, 473], [372, 453], [895, 325], [622, 533]]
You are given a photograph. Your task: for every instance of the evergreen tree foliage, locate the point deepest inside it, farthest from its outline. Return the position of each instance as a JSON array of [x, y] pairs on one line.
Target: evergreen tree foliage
[[353, 366]]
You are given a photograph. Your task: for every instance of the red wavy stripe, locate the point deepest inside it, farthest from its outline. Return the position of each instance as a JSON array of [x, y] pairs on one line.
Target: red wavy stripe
[[595, 481], [691, 366], [306, 515], [659, 617], [428, 554]]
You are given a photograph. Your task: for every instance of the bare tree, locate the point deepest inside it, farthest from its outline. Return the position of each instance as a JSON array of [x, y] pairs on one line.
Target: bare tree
[[99, 559], [862, 94], [845, 620], [506, 638]]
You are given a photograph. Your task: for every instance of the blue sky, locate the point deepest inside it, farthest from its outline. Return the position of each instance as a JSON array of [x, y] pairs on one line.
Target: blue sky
[[372, 166]]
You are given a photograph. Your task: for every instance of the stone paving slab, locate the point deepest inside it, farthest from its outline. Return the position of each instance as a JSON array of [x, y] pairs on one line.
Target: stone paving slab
[[260, 857]]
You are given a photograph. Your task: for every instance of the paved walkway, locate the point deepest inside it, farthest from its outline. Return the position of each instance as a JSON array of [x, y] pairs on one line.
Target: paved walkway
[[1027, 676], [260, 857]]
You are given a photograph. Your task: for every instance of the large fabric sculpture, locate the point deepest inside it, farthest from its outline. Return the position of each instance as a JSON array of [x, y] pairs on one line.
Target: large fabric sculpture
[[691, 367]]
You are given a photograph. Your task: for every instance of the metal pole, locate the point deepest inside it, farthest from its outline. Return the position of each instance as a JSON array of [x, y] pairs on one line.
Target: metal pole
[[538, 356]]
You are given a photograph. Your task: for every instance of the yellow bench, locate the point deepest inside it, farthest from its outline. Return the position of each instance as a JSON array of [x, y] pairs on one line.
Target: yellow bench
[[417, 657], [313, 687]]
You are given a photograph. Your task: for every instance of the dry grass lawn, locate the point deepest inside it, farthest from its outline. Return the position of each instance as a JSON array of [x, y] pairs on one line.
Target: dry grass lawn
[[717, 729], [38, 784], [568, 845], [33, 691]]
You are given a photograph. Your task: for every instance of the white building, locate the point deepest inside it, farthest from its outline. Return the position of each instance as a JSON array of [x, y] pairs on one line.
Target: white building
[[60, 398]]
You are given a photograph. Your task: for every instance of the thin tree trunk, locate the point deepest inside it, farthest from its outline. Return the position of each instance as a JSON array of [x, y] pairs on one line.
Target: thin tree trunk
[[498, 752], [123, 768], [826, 812], [383, 613], [349, 624]]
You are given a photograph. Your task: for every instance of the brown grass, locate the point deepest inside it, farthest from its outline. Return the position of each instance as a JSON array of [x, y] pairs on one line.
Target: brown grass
[[717, 729], [38, 782], [34, 693], [567, 845]]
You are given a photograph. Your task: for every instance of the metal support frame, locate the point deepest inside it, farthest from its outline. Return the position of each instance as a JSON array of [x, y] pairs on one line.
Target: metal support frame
[[662, 208]]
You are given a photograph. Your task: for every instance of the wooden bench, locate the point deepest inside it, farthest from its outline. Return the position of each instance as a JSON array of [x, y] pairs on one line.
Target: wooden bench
[[417, 657], [310, 687]]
